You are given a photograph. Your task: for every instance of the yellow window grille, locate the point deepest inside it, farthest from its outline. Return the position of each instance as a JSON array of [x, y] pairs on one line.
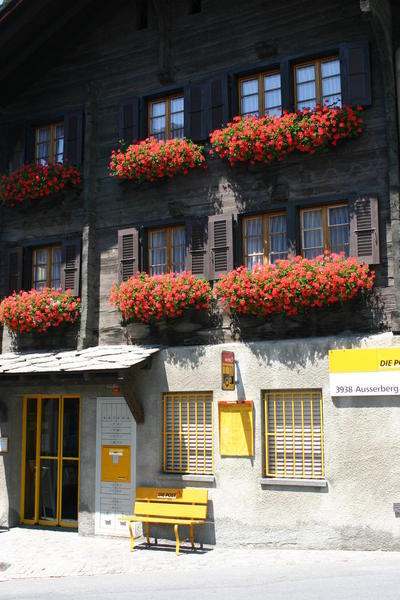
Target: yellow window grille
[[294, 434], [188, 432]]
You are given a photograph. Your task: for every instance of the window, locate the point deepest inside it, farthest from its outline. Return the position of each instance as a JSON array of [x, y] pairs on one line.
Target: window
[[188, 432], [294, 434], [167, 250], [46, 267], [49, 143], [166, 118], [264, 239], [318, 82], [261, 94], [325, 228]]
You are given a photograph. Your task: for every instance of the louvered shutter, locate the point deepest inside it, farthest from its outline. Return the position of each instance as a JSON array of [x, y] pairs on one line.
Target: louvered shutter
[[364, 229], [188, 433], [129, 120], [355, 73], [17, 148], [218, 102], [197, 255], [195, 98], [294, 434], [14, 270], [27, 268], [220, 238], [128, 253], [73, 137], [71, 265]]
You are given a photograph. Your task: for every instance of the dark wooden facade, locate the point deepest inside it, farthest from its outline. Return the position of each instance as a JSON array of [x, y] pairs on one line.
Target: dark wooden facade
[[98, 69]]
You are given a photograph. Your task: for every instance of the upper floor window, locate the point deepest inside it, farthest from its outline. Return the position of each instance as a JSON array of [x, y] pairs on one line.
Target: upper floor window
[[49, 143], [167, 250], [318, 82], [46, 267], [264, 239], [166, 118], [261, 94], [325, 228]]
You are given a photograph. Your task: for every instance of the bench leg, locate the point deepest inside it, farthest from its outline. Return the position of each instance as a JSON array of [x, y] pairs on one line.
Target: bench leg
[[132, 536], [177, 538], [147, 534], [191, 536]]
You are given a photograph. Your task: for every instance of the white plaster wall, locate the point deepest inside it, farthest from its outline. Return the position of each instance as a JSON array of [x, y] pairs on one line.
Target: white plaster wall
[[362, 448]]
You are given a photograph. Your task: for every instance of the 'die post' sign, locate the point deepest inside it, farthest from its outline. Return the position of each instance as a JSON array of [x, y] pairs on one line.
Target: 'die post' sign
[[228, 371], [366, 372]]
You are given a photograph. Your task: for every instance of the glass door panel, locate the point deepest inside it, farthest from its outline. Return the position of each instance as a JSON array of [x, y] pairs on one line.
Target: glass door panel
[[69, 490], [51, 461], [30, 458], [48, 490]]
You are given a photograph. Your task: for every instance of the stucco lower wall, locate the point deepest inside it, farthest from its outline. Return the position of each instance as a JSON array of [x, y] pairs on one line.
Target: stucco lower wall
[[362, 448]]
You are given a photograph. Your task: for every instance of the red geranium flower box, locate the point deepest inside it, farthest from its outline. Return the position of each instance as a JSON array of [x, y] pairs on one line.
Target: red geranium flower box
[[33, 181], [270, 138], [38, 310], [152, 160], [148, 299], [293, 286]]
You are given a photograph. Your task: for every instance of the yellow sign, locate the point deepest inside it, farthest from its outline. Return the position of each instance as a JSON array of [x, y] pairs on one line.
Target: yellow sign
[[116, 463], [362, 361], [236, 429]]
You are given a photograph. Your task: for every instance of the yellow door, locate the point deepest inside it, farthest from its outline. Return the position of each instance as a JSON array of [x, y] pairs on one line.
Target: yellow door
[[50, 460]]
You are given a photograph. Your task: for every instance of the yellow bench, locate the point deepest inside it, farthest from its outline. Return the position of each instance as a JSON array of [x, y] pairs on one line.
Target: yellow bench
[[168, 506]]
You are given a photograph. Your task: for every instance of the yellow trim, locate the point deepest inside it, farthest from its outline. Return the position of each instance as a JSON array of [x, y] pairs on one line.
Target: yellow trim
[[364, 360], [259, 77], [272, 434], [176, 399], [59, 458], [168, 127]]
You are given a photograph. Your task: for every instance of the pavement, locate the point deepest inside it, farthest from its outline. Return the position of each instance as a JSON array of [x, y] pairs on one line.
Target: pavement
[[59, 564]]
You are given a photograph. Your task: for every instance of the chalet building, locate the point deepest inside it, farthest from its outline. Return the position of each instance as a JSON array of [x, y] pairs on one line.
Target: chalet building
[[305, 449]]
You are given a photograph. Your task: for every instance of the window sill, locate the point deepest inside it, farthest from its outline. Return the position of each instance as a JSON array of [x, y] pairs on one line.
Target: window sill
[[187, 477], [271, 481]]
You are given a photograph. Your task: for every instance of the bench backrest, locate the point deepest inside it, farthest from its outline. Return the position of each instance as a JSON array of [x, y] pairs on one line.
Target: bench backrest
[[171, 502]]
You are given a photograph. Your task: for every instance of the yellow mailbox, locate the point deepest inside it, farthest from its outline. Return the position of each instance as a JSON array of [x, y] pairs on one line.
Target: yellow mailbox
[[116, 463]]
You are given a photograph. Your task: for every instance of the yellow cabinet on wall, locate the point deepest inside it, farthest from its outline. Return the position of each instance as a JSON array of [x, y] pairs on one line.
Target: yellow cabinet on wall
[[116, 463]]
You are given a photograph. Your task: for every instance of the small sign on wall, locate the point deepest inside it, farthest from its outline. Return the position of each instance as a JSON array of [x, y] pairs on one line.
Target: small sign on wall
[[236, 428], [3, 445], [228, 371]]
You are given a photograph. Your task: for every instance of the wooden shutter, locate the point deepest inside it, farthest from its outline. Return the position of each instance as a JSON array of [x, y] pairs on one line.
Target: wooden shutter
[[128, 253], [29, 144], [27, 268], [218, 102], [14, 270], [220, 244], [197, 255], [355, 73], [287, 85], [73, 137], [364, 229], [129, 120], [195, 112], [71, 265]]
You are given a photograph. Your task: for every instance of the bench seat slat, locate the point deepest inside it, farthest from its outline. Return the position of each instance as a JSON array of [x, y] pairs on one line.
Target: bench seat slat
[[171, 520], [170, 509], [175, 495]]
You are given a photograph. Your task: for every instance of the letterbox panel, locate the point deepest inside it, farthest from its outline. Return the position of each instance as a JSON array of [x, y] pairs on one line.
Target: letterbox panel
[[116, 463]]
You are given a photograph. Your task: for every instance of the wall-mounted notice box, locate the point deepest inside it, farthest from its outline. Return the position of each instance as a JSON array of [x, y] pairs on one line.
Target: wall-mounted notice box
[[3, 445], [116, 463], [236, 428]]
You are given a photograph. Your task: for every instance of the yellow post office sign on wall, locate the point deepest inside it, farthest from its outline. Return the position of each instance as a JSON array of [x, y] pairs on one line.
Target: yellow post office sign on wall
[[236, 428], [116, 463], [364, 372]]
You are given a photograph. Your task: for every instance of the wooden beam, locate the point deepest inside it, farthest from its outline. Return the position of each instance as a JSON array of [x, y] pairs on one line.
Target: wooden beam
[[132, 401]]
